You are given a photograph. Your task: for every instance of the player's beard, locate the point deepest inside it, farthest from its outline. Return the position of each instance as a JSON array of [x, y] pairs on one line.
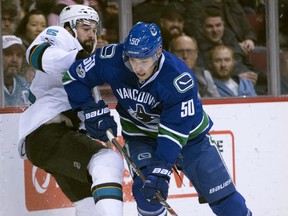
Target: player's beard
[[88, 46]]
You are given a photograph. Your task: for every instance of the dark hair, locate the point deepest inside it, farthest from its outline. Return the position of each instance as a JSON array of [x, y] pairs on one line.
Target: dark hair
[[8, 7], [172, 10], [21, 28], [212, 11]]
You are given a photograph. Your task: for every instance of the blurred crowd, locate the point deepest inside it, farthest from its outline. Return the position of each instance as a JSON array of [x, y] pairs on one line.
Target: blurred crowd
[[222, 41]]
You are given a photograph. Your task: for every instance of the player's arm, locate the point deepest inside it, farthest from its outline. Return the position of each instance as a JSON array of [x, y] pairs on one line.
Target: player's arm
[[53, 51], [173, 132], [78, 82]]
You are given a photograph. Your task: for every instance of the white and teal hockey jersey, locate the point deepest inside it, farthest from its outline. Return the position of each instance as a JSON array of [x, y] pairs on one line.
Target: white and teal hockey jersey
[[51, 53]]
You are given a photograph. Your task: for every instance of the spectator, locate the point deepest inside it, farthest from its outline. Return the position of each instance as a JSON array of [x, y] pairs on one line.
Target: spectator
[[185, 47], [171, 22], [222, 65], [9, 12], [32, 24], [233, 15], [214, 33], [148, 11], [15, 86]]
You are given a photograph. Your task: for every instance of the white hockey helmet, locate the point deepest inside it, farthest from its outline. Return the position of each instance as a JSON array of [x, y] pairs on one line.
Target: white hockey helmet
[[73, 13]]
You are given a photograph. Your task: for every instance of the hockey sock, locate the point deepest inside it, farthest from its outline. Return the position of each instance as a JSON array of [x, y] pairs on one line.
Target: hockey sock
[[106, 168], [107, 191]]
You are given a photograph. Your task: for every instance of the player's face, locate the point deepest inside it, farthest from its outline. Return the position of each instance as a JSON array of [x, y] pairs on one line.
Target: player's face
[[86, 34], [143, 67], [12, 61], [222, 63], [213, 29]]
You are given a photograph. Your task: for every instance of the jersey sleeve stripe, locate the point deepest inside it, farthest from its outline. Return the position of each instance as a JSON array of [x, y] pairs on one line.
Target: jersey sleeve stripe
[[67, 78], [172, 135], [36, 53], [202, 126]]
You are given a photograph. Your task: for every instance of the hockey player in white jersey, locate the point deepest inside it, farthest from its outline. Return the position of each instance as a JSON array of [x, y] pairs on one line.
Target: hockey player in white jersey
[[88, 173]]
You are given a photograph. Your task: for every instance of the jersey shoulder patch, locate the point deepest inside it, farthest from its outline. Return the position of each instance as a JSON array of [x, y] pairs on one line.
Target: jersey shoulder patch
[[184, 82]]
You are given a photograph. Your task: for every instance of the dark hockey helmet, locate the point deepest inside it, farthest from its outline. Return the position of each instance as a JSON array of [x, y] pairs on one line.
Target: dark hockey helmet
[[143, 41]]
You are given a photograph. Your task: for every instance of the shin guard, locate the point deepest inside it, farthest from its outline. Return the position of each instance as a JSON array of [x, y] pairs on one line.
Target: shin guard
[[106, 168]]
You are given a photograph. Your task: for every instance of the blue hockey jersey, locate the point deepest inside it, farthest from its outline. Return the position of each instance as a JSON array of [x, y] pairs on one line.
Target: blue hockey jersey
[[165, 107]]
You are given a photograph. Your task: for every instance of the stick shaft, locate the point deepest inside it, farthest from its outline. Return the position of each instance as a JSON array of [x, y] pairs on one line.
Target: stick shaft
[[138, 172]]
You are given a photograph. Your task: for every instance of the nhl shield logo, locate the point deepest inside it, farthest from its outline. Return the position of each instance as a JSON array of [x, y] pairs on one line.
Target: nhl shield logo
[[80, 71]]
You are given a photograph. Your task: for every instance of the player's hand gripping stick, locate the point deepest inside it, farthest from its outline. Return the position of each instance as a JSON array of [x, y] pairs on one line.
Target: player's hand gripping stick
[[138, 172]]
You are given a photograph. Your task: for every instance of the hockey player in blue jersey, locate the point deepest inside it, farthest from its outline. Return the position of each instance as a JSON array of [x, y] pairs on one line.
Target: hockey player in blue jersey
[[163, 122]]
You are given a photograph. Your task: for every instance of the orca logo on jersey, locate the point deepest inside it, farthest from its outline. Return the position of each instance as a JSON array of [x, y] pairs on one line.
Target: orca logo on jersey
[[184, 82], [97, 113]]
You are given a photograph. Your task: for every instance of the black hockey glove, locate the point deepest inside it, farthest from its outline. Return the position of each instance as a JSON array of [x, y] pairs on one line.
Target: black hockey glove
[[157, 180], [98, 120]]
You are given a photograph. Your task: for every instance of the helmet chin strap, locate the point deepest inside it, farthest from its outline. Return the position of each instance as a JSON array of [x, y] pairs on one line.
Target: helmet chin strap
[[95, 44], [75, 33], [156, 58]]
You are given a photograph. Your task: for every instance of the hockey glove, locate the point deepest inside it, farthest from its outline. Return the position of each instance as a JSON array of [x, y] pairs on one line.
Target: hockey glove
[[98, 120], [157, 180]]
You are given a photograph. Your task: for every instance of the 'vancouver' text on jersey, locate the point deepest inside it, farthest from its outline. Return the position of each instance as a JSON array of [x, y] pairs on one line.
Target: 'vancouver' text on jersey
[[166, 106]]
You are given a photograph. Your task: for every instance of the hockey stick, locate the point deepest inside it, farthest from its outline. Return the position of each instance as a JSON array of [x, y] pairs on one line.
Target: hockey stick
[[138, 172], [97, 96]]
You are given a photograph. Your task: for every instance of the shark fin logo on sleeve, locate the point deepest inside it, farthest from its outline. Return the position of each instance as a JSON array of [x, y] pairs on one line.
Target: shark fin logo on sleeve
[[184, 82]]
